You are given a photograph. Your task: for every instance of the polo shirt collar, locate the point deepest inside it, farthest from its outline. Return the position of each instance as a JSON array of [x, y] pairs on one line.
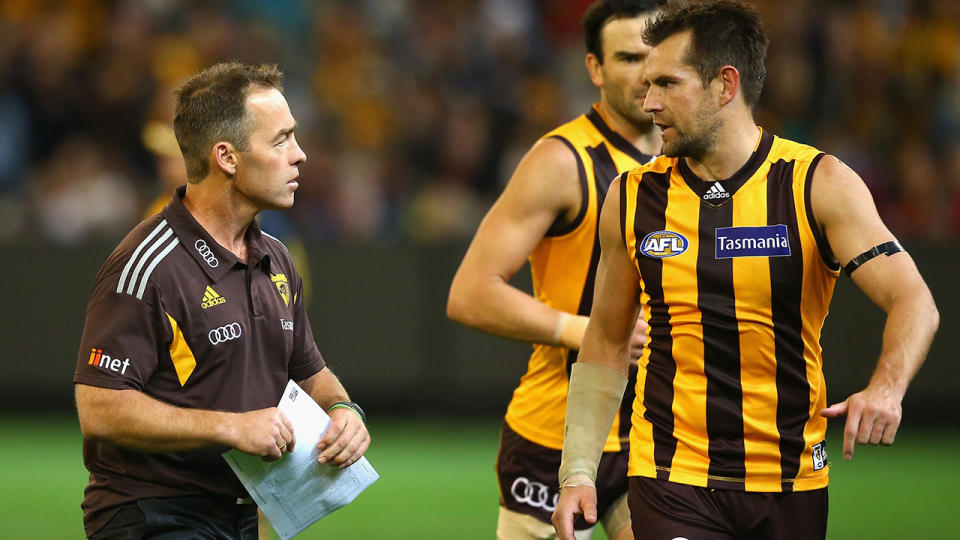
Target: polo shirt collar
[[214, 259]]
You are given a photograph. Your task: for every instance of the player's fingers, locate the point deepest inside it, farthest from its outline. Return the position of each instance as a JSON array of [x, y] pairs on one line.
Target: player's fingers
[[867, 419], [835, 410], [589, 509], [563, 524], [889, 433], [850, 430], [876, 434]]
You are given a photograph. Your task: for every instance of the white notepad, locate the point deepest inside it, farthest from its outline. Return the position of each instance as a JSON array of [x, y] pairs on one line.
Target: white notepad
[[296, 491]]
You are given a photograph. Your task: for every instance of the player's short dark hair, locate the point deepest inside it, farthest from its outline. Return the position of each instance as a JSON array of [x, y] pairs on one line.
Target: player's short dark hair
[[601, 12], [211, 107], [724, 32]]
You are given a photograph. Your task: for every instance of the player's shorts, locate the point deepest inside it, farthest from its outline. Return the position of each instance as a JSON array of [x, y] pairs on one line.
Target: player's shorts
[[527, 473], [662, 510]]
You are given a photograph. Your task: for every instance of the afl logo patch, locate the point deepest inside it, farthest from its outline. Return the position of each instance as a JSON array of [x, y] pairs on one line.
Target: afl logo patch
[[663, 244]]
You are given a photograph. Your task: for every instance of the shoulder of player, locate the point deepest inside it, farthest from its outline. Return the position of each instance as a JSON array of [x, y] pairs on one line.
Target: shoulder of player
[[551, 169], [657, 165], [835, 189]]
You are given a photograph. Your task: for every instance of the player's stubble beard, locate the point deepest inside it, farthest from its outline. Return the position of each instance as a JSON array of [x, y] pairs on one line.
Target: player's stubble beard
[[696, 144], [625, 105]]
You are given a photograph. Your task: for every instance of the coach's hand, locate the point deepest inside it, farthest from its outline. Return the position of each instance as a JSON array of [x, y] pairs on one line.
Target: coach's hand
[[264, 432], [873, 416], [345, 440], [574, 501]]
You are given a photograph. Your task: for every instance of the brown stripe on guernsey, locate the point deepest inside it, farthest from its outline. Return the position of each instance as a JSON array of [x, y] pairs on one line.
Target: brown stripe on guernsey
[[721, 350], [650, 215], [793, 389], [557, 228], [604, 170]]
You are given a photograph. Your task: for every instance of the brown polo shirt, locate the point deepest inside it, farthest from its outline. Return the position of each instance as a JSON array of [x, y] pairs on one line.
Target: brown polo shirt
[[178, 317]]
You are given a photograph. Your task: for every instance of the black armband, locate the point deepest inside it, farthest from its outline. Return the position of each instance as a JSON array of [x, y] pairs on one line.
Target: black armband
[[888, 248], [350, 405]]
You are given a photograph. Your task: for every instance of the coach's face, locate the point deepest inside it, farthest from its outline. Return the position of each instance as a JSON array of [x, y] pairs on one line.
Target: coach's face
[[686, 112], [620, 75], [267, 171]]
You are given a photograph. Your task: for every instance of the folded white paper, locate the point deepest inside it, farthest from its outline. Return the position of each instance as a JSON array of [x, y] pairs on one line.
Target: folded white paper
[[296, 491]]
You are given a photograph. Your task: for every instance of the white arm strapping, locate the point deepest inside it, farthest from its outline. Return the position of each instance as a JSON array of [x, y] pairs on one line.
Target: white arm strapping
[[592, 403]]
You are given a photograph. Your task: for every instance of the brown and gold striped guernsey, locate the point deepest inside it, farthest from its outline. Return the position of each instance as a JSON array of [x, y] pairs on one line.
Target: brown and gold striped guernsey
[[564, 266], [736, 283]]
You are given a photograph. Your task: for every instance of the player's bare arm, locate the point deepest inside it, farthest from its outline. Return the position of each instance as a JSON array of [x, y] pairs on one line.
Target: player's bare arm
[[544, 187], [347, 438], [134, 420], [843, 206], [606, 344]]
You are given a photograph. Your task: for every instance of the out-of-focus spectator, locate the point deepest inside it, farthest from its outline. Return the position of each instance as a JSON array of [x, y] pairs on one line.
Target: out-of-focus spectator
[[413, 112]]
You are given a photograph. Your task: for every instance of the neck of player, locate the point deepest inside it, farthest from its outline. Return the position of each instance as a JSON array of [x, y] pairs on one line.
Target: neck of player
[[735, 143], [647, 141], [223, 212]]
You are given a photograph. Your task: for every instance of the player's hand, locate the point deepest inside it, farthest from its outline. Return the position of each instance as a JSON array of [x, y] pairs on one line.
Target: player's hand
[[638, 339], [873, 416], [264, 432], [574, 501], [345, 440]]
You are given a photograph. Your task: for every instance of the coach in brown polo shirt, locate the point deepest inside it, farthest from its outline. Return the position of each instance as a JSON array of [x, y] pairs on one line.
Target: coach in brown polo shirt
[[194, 326]]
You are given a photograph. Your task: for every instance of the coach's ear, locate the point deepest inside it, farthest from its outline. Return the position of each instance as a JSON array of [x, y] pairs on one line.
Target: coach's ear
[[225, 157]]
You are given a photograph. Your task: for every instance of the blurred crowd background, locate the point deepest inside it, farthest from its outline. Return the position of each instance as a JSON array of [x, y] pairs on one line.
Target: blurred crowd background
[[413, 113]]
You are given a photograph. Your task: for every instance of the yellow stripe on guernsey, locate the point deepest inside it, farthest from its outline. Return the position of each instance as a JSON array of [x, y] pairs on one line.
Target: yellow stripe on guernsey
[[183, 360], [563, 266]]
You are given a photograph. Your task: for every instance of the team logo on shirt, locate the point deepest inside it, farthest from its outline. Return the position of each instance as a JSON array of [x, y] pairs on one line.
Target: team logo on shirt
[[104, 361], [211, 298], [280, 280], [663, 244], [768, 241], [819, 455]]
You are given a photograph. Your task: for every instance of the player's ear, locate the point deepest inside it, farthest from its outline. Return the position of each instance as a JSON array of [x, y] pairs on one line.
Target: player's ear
[[595, 69], [225, 157], [729, 83]]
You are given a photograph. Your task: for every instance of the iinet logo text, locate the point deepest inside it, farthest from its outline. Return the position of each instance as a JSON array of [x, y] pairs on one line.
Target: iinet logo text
[[97, 358]]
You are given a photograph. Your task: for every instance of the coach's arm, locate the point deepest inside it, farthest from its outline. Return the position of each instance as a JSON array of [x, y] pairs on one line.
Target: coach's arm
[[134, 420], [844, 209]]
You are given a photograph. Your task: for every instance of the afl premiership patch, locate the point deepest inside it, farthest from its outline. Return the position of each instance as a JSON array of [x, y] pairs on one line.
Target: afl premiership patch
[[663, 244], [769, 241]]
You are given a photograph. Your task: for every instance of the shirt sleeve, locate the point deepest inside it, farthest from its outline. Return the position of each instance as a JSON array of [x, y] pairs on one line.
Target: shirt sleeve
[[121, 337], [306, 359]]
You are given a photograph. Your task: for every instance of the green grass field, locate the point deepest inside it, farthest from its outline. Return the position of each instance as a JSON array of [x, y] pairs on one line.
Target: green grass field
[[436, 481]]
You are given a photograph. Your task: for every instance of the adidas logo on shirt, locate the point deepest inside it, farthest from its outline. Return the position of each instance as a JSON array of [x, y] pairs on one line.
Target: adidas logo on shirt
[[716, 191], [211, 298]]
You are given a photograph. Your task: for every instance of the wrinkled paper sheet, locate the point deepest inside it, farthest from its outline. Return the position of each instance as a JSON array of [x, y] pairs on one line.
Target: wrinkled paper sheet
[[296, 491]]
